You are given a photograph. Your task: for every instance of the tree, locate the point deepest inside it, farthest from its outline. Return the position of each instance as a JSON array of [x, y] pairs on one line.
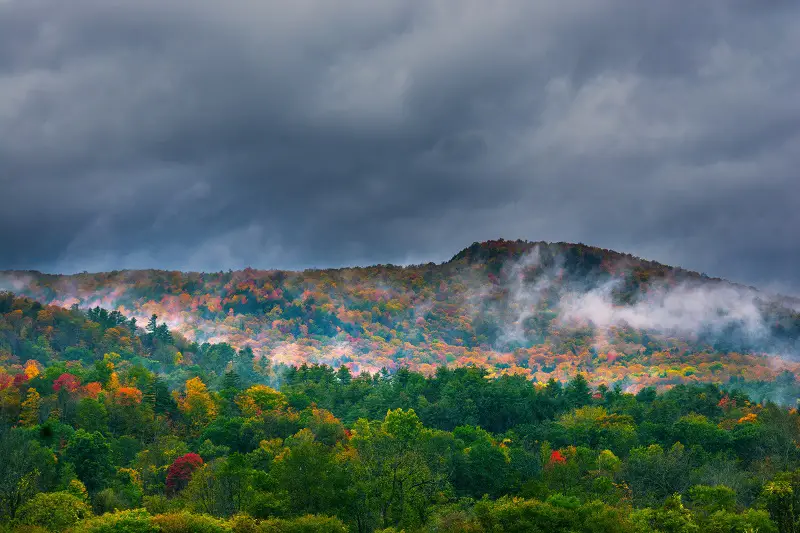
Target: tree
[[260, 398], [779, 497], [30, 414], [393, 482], [157, 394], [749, 521], [343, 375], [181, 470], [152, 326], [157, 333], [222, 487], [707, 500], [25, 468], [91, 415], [303, 524], [128, 521], [53, 511], [654, 474], [66, 381], [577, 392], [672, 517], [558, 514], [217, 356], [309, 473], [188, 522], [483, 468], [90, 455], [197, 403]]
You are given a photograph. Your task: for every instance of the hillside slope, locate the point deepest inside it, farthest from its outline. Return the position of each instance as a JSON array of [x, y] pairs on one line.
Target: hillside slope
[[544, 310]]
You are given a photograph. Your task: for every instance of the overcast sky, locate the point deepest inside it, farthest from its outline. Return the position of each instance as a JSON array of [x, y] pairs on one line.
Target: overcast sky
[[209, 135]]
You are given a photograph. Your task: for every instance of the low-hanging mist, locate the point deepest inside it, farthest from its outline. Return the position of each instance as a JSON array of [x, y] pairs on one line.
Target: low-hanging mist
[[538, 309]]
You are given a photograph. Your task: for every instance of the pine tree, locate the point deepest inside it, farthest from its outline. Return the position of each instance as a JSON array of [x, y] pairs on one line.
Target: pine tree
[[152, 326], [231, 381]]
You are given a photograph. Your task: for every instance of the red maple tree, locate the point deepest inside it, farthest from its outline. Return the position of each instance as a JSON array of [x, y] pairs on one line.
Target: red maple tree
[[181, 470]]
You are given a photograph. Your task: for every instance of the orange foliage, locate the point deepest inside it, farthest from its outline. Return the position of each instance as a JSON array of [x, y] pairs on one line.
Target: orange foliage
[[128, 396]]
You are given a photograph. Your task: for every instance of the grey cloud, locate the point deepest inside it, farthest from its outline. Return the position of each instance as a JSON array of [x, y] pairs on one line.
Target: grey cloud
[[207, 135]]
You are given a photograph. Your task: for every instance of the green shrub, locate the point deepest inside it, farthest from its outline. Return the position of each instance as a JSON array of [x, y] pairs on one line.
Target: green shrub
[[160, 504], [557, 514], [243, 523], [186, 522], [53, 511], [22, 529], [132, 521], [304, 524], [749, 521]]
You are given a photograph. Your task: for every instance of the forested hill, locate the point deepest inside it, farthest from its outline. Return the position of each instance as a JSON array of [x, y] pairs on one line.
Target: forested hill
[[109, 425], [542, 310]]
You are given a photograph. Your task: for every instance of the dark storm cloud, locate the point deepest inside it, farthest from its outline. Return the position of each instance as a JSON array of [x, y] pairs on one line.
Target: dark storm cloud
[[214, 135]]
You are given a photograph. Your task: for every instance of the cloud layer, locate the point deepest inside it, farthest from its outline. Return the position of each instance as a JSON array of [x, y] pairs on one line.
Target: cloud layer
[[205, 135]]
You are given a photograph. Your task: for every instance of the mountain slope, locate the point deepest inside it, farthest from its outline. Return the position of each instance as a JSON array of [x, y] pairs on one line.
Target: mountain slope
[[545, 310]]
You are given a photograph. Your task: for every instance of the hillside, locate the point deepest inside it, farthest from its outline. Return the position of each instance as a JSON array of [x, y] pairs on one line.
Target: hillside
[[109, 423], [109, 426], [542, 310]]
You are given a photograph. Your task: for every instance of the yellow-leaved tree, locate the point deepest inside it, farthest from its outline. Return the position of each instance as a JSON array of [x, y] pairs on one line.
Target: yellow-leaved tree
[[259, 398], [197, 403], [29, 416]]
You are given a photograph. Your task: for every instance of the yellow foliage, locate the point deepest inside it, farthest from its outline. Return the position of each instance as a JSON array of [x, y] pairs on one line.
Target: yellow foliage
[[260, 398], [750, 418], [30, 409], [113, 382], [32, 369], [130, 475], [197, 402]]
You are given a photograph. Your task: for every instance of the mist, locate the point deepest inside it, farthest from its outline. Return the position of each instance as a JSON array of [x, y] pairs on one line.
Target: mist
[[541, 298], [713, 311]]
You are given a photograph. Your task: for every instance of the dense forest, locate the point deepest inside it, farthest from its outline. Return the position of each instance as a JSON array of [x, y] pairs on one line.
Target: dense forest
[[108, 424], [539, 310]]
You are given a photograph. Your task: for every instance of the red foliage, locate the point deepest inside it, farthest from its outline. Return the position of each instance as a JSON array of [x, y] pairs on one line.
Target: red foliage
[[557, 458], [5, 381], [19, 379], [181, 470], [66, 381], [726, 403]]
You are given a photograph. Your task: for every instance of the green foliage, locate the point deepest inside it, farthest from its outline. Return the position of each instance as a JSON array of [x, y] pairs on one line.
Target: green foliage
[[749, 521], [303, 524], [316, 449], [91, 416], [402, 425], [654, 473], [132, 521], [54, 511], [557, 515], [185, 522], [26, 467], [779, 498], [90, 455], [708, 500]]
